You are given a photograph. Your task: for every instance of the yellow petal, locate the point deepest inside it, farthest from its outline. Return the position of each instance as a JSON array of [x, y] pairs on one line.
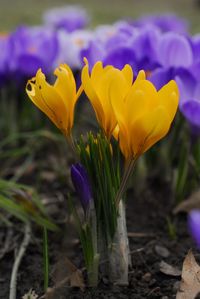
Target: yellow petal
[[53, 101], [91, 94], [115, 132], [65, 84], [34, 94], [148, 129], [169, 97], [141, 76], [125, 143], [128, 74]]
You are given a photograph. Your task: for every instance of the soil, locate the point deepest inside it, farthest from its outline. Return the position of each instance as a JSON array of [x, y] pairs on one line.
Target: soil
[[150, 244]]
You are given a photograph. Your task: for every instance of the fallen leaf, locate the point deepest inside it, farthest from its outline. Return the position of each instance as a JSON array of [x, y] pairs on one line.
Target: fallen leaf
[[191, 203], [65, 274], [169, 270], [66, 269], [190, 283]]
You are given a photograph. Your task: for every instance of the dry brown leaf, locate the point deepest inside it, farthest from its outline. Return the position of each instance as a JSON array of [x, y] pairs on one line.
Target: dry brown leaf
[[65, 268], [65, 274], [190, 283], [191, 203], [169, 270]]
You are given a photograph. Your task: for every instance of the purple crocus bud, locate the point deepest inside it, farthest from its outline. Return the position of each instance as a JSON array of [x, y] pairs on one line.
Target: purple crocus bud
[[194, 226], [81, 184], [69, 18]]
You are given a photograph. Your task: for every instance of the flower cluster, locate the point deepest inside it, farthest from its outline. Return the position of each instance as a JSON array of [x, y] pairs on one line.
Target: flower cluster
[[132, 111], [160, 45]]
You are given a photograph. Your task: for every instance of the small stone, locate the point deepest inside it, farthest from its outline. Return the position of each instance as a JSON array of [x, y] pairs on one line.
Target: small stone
[[146, 277], [162, 251]]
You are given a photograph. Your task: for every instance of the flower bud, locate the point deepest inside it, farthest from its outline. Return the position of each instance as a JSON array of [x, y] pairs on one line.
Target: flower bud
[[81, 184]]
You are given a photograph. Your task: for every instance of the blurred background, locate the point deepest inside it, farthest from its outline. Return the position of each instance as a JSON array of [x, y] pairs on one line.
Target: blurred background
[[13, 13]]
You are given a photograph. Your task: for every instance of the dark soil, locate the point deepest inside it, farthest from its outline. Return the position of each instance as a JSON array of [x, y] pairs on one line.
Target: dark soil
[[150, 243]]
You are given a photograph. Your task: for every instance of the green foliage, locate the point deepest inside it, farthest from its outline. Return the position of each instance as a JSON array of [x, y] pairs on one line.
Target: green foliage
[[88, 237], [98, 156], [24, 203]]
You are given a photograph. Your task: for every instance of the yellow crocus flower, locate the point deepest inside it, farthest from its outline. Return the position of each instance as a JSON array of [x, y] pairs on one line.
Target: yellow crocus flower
[[144, 115], [97, 87], [56, 101]]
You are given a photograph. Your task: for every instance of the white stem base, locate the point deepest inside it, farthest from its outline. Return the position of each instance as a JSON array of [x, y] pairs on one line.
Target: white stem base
[[119, 251]]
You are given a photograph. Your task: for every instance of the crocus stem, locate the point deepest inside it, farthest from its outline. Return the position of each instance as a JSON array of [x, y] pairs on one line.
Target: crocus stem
[[70, 141], [94, 268], [20, 254], [45, 259], [127, 172], [118, 252]]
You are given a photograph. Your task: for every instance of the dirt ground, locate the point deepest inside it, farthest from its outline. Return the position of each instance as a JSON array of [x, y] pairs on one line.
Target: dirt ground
[[150, 243]]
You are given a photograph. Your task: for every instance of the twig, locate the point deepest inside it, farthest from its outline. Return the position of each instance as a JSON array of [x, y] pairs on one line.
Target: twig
[[20, 254]]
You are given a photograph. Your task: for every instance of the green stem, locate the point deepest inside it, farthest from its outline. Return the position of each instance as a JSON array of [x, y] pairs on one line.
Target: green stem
[[93, 270], [127, 172], [45, 258], [70, 140]]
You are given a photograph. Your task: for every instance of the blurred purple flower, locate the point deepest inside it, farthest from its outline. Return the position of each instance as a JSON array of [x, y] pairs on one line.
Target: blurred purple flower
[[145, 45], [71, 45], [174, 50], [69, 18], [195, 42], [175, 57], [32, 48], [6, 55], [165, 23], [82, 185], [111, 45], [189, 88], [194, 226], [121, 56]]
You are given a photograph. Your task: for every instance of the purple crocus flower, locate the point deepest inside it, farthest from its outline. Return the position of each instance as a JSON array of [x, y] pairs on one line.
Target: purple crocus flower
[[82, 185], [165, 23], [194, 226], [175, 51], [189, 87], [145, 45], [69, 18], [195, 42], [174, 56], [32, 48], [111, 45]]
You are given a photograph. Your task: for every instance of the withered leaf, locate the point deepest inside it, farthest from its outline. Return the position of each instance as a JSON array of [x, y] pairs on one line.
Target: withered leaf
[[169, 270], [65, 274], [191, 203], [190, 283]]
